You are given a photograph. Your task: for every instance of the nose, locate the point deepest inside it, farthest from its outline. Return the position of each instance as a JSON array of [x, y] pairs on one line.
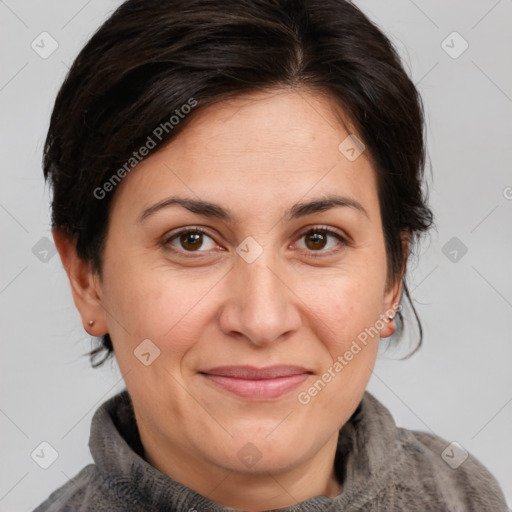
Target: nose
[[260, 306]]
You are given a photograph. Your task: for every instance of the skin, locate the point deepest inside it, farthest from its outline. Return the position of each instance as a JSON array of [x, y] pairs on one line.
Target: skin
[[256, 156]]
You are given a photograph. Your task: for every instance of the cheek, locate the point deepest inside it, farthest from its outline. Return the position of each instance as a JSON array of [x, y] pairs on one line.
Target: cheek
[[162, 305], [345, 324], [346, 304]]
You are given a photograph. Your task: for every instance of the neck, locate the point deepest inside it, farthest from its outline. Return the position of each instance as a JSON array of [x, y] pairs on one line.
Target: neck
[[253, 492]]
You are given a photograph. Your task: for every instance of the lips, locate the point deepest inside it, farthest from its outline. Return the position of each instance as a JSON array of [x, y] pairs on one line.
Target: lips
[[250, 372], [256, 383]]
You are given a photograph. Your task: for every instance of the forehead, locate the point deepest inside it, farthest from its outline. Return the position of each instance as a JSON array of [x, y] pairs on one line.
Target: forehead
[[261, 150], [279, 125]]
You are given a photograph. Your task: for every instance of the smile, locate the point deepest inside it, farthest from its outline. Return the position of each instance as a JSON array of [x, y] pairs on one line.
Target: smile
[[252, 383]]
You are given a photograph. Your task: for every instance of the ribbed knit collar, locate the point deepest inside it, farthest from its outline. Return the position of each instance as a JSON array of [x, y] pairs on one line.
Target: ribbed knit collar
[[366, 455]]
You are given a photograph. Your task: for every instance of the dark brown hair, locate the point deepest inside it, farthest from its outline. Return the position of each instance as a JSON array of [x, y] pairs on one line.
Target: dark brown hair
[[151, 57]]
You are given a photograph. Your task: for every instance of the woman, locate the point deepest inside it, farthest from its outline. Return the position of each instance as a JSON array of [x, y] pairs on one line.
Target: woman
[[236, 191]]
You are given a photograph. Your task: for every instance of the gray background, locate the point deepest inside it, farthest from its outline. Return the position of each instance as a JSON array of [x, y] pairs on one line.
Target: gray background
[[459, 385]]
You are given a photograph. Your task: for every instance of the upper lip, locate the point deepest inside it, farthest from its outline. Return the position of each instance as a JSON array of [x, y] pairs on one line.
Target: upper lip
[[251, 372]]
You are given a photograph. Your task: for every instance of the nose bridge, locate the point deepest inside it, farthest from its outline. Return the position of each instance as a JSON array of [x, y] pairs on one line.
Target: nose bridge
[[260, 306], [262, 285]]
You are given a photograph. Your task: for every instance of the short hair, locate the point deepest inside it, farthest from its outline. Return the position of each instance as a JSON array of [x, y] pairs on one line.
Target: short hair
[[152, 57]]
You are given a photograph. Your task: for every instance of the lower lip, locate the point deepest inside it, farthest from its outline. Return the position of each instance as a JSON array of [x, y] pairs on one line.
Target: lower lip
[[258, 388]]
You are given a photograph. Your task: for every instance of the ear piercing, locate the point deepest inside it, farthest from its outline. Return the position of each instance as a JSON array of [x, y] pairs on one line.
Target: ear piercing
[[91, 322], [390, 317]]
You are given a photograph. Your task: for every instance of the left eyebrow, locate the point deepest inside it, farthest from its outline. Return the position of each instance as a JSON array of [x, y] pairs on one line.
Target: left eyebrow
[[212, 210], [323, 204]]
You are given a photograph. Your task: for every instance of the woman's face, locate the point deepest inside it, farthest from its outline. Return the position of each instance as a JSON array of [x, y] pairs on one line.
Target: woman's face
[[270, 283]]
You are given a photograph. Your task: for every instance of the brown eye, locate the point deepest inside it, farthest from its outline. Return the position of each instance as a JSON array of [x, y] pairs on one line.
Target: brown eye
[[321, 240], [316, 240], [191, 240]]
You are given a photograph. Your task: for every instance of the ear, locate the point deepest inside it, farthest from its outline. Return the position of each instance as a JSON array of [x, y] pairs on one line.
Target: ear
[[85, 284], [392, 295]]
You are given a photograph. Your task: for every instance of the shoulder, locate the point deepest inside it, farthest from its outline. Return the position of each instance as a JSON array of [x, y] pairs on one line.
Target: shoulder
[[449, 471], [86, 492], [414, 471], [71, 493]]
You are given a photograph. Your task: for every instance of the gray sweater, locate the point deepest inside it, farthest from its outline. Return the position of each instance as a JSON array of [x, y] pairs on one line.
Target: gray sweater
[[382, 468]]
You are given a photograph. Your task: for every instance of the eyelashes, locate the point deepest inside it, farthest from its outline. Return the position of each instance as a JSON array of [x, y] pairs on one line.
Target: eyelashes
[[321, 235], [195, 241], [189, 236]]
